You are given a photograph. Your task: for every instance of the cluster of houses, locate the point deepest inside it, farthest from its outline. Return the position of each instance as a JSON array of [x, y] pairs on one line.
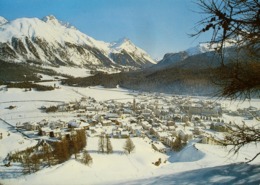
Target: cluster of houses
[[160, 118], [248, 113]]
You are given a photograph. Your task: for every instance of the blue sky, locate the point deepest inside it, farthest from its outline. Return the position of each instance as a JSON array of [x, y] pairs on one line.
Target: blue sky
[[157, 26]]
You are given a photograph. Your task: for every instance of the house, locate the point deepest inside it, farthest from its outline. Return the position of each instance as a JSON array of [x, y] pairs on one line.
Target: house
[[171, 128], [73, 124], [57, 124], [83, 104], [127, 111], [219, 127], [211, 111], [31, 126], [44, 131], [185, 135], [159, 146], [170, 123], [116, 134], [108, 131], [136, 130], [197, 131], [208, 139], [85, 125], [20, 125], [71, 106], [112, 116], [43, 123], [55, 133], [154, 130], [62, 108], [106, 122], [147, 113], [90, 108], [146, 125], [125, 134], [169, 140], [195, 108], [81, 111], [161, 135]]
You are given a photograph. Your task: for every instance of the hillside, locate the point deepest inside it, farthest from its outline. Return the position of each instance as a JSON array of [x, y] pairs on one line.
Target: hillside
[[178, 73], [199, 164]]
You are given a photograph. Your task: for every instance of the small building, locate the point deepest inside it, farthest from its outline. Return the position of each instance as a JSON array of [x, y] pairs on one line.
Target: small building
[[73, 124], [169, 141], [44, 131], [161, 135], [159, 146], [125, 134], [106, 122], [31, 126]]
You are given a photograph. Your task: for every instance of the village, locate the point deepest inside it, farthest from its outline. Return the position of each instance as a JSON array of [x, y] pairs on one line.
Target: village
[[163, 119]]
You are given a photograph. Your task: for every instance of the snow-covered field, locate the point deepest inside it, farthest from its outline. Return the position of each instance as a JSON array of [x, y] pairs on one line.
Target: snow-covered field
[[202, 164]]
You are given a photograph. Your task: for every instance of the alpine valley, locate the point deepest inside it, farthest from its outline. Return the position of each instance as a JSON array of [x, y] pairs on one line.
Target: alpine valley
[[74, 110]]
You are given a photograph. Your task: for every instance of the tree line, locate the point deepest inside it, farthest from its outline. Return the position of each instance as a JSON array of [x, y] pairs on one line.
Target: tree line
[[52, 153]]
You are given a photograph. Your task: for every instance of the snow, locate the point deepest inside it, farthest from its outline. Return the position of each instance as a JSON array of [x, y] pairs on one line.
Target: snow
[[12, 141], [195, 164], [205, 47], [51, 30], [3, 20], [72, 71], [101, 94], [56, 34], [127, 45]]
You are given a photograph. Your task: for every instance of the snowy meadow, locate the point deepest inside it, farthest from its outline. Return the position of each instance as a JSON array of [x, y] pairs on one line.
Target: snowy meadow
[[195, 163]]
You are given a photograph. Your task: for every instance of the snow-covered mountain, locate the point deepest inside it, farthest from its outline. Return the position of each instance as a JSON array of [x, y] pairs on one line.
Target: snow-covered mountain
[[2, 20], [125, 52], [202, 49], [171, 58], [207, 47], [49, 41]]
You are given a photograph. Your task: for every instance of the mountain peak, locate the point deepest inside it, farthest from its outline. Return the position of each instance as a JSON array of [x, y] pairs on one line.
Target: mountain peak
[[200, 48], [123, 43], [51, 19], [124, 39], [3, 20]]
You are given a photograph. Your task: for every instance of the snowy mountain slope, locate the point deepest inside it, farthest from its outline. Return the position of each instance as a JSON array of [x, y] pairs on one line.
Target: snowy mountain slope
[[49, 41], [200, 48], [124, 47], [205, 50], [206, 47], [171, 58], [2, 20]]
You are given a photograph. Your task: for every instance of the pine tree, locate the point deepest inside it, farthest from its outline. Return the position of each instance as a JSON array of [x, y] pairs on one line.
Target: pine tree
[[86, 158], [62, 150], [108, 145], [47, 153], [177, 145], [74, 145], [82, 139], [35, 163], [129, 145], [26, 161], [101, 144]]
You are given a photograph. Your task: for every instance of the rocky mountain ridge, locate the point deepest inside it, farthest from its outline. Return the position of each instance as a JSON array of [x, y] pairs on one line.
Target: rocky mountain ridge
[[48, 41]]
